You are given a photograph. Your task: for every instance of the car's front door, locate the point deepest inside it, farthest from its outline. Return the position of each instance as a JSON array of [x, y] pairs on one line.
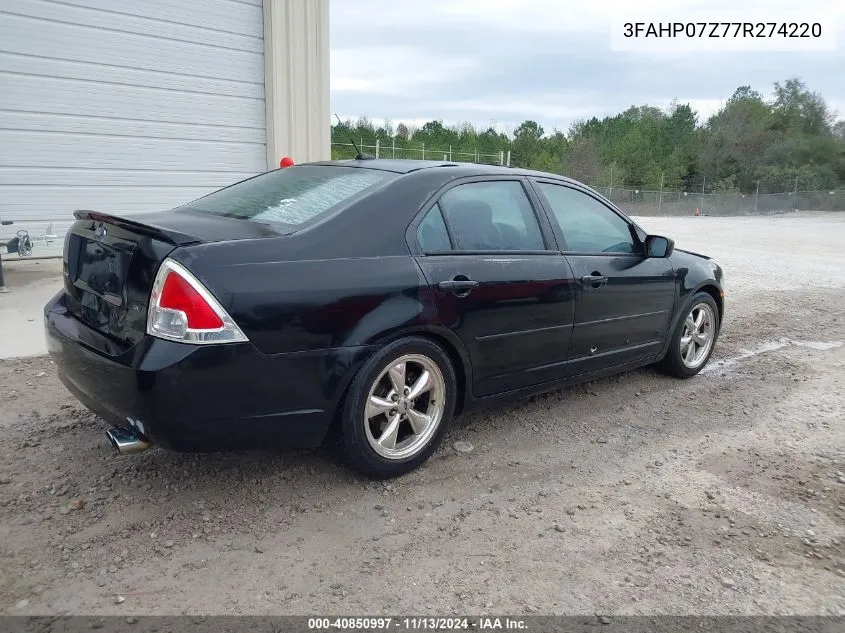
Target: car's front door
[[624, 299], [499, 282]]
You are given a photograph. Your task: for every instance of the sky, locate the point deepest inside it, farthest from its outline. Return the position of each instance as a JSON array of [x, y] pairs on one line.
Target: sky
[[501, 62]]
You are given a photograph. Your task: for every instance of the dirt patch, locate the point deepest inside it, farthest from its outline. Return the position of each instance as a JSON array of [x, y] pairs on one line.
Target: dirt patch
[[635, 494]]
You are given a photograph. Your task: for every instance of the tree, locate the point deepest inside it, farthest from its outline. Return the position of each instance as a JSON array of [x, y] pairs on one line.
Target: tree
[[797, 110], [388, 127], [679, 138], [583, 160], [528, 130], [402, 133], [735, 139], [526, 144], [365, 126]]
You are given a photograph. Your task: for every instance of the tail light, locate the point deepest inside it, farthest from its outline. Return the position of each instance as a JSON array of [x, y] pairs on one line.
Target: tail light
[[181, 309]]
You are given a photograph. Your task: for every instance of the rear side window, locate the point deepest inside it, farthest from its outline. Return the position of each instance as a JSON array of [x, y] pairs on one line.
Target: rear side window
[[291, 196], [492, 216], [432, 233]]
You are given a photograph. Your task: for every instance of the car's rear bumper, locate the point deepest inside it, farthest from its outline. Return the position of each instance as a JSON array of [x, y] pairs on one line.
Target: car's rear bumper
[[201, 398]]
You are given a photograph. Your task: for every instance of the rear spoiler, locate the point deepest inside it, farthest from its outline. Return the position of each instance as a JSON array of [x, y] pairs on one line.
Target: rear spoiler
[[177, 238]]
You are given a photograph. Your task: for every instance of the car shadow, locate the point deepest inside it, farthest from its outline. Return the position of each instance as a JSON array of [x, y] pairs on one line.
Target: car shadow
[[327, 464]]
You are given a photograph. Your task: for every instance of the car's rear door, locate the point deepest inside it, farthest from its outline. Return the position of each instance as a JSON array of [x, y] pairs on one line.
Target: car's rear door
[[499, 281], [624, 299]]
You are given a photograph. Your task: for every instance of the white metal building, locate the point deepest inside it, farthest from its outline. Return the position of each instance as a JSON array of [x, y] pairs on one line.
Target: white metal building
[[136, 106]]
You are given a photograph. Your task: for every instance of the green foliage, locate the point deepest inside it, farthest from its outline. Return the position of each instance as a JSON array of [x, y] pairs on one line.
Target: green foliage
[[749, 142], [798, 111], [726, 185], [807, 177], [775, 142], [735, 138]]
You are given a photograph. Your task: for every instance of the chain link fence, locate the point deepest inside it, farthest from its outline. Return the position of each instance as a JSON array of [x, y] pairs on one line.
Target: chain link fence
[[417, 151], [640, 202], [679, 203]]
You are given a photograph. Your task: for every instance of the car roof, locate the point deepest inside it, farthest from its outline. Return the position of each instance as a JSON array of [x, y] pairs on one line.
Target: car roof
[[397, 166], [406, 166]]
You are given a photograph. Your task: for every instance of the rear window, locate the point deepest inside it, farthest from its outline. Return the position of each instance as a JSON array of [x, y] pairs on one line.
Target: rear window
[[291, 196]]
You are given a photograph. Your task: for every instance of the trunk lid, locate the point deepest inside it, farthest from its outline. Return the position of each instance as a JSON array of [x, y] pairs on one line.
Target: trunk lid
[[110, 262]]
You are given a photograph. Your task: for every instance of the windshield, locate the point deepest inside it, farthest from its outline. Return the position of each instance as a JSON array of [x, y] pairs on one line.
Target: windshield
[[291, 196]]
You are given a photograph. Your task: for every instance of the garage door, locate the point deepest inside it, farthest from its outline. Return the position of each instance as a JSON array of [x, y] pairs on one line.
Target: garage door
[[125, 106]]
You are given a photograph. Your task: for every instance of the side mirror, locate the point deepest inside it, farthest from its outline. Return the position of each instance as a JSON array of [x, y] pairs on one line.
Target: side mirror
[[658, 246]]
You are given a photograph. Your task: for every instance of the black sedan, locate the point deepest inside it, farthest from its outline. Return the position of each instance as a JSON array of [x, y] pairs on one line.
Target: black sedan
[[367, 301]]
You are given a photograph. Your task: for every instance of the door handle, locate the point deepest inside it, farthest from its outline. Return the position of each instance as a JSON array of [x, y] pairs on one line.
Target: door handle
[[596, 280], [458, 284]]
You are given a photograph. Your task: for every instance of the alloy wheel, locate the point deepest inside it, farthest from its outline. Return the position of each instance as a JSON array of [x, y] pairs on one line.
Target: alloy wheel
[[404, 407], [698, 335]]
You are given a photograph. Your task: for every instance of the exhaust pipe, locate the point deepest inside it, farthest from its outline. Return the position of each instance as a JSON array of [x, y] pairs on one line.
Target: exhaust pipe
[[127, 440]]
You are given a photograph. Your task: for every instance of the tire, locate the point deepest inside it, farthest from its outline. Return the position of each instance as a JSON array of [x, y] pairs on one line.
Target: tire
[[384, 441], [679, 361]]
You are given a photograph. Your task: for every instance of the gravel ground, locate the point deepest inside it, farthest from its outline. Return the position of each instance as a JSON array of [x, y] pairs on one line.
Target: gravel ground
[[638, 494]]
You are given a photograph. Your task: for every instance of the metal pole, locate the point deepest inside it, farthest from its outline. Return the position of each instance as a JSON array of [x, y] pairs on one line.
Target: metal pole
[[795, 195], [476, 154], [450, 153], [2, 281], [703, 181], [660, 199], [377, 147], [423, 150], [756, 196], [509, 158], [393, 148], [501, 157]]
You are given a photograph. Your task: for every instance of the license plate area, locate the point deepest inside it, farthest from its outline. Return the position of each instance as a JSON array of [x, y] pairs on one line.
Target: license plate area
[[97, 270]]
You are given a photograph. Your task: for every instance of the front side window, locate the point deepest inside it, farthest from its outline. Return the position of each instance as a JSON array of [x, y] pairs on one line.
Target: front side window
[[491, 216], [587, 225], [289, 196]]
